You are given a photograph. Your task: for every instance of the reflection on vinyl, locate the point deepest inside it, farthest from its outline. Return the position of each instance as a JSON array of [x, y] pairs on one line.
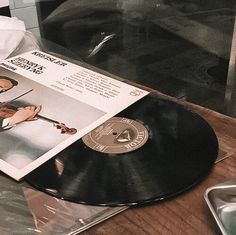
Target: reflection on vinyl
[[153, 150]]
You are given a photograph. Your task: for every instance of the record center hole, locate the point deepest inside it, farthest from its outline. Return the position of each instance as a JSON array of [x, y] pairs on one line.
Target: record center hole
[[114, 133]]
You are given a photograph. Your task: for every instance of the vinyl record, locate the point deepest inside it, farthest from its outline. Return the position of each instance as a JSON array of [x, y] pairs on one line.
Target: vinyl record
[[153, 150]]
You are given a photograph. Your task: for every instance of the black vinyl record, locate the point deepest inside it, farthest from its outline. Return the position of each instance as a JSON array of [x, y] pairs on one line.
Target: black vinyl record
[[179, 151]]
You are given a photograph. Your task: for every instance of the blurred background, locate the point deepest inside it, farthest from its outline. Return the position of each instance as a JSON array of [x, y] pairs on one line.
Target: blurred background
[[179, 47]]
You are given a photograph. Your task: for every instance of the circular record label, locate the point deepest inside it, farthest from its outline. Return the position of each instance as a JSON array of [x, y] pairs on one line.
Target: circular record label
[[117, 135]]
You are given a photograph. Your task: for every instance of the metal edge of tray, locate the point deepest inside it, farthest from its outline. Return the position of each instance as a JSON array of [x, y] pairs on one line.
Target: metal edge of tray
[[225, 185]]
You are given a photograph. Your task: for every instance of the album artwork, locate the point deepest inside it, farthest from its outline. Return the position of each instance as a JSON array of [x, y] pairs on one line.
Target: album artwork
[[48, 103]]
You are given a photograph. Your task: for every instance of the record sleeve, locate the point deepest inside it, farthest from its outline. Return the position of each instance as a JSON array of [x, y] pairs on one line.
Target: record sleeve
[[68, 101], [28, 211]]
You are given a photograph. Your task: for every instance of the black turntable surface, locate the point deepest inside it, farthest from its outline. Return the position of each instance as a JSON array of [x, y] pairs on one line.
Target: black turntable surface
[[180, 48]]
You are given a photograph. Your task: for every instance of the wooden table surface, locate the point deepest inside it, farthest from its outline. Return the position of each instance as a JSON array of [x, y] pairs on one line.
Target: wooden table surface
[[187, 213]]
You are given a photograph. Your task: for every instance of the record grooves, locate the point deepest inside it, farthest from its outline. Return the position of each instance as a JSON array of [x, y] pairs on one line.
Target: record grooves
[[179, 152]]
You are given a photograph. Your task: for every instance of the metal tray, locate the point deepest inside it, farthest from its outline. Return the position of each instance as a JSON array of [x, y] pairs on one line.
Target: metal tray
[[221, 199]]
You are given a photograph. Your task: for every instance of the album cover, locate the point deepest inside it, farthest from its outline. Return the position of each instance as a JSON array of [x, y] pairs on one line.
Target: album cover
[[48, 103]]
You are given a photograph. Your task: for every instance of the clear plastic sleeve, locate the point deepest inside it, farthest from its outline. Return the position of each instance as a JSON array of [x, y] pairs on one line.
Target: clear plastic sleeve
[[27, 211]]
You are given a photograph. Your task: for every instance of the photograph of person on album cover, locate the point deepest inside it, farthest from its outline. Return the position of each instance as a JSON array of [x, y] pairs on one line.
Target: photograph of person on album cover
[[34, 119]]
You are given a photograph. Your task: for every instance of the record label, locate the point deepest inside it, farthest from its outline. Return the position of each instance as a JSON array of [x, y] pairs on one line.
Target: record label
[[117, 135]]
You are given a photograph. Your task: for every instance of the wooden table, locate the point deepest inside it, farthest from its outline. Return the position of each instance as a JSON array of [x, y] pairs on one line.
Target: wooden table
[[187, 213]]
